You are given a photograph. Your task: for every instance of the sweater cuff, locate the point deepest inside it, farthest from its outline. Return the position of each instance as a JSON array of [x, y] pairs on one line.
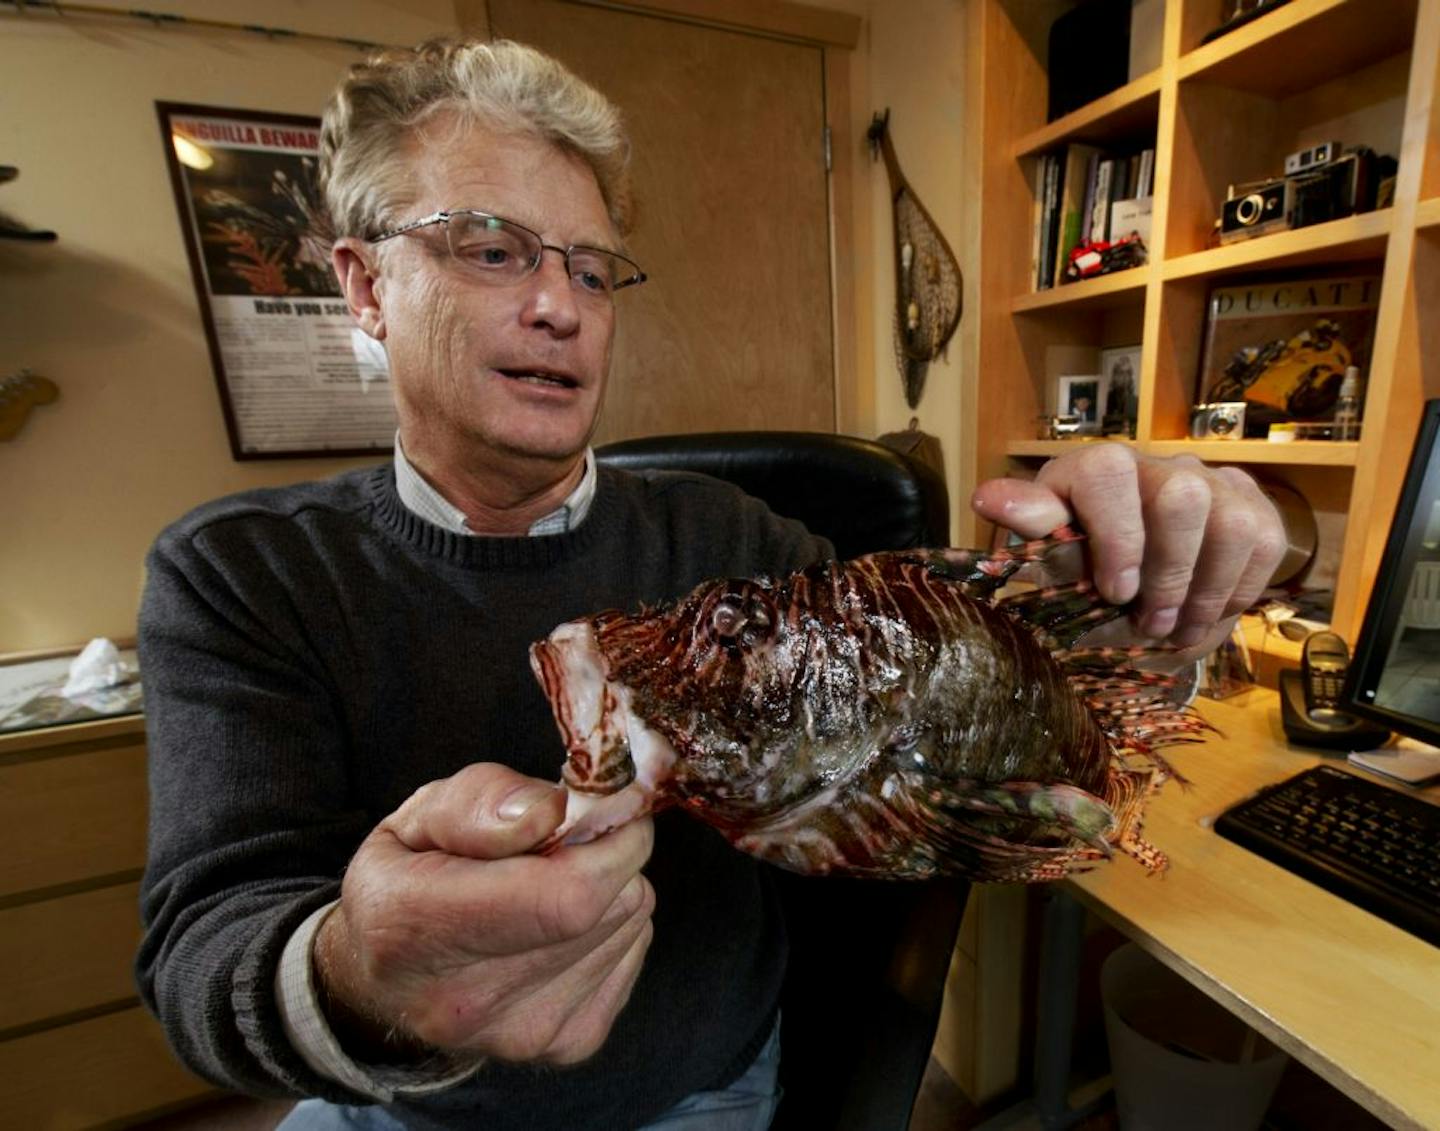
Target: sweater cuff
[[311, 1036]]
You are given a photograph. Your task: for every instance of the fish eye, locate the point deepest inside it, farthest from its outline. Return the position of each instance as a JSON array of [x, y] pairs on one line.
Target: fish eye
[[727, 620]]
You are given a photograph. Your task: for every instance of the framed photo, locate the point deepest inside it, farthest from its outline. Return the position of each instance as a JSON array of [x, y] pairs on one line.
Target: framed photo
[[296, 376], [1281, 344], [1083, 397], [1121, 369]]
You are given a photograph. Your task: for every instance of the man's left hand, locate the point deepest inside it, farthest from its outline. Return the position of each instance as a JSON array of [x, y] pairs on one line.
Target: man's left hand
[[1195, 544]]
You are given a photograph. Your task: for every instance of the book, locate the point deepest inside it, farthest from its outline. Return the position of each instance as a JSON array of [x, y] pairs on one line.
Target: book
[[1145, 179], [1133, 215], [1072, 200], [1049, 223], [1087, 210], [1282, 344], [1104, 193], [1037, 216]]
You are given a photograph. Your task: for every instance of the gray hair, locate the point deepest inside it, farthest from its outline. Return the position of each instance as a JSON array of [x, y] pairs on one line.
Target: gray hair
[[369, 124]]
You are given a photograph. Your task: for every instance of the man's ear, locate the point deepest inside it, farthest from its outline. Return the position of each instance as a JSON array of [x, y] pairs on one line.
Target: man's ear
[[359, 284]]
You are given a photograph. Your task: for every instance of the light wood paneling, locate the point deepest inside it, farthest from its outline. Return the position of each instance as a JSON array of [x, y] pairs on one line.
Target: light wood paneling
[[775, 17], [66, 955], [734, 329], [89, 1074], [71, 817]]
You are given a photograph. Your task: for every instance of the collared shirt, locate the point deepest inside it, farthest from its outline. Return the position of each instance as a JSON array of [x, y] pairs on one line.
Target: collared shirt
[[424, 500], [295, 989]]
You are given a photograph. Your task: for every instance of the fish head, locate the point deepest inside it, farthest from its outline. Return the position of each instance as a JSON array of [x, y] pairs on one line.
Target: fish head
[[681, 694]]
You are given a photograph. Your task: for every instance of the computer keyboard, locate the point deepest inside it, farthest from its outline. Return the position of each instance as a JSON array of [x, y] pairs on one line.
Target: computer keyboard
[[1374, 846]]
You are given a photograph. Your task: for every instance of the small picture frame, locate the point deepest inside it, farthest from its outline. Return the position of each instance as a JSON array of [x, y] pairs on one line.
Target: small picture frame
[[1083, 397], [1121, 369]]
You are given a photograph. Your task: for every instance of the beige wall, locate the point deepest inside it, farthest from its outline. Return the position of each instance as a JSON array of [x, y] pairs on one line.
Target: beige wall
[[109, 311], [911, 58]]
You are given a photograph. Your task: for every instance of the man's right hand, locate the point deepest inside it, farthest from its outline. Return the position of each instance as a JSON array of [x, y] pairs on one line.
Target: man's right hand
[[448, 935]]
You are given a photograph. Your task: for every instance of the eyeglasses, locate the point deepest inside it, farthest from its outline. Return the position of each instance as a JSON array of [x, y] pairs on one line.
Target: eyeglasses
[[502, 252]]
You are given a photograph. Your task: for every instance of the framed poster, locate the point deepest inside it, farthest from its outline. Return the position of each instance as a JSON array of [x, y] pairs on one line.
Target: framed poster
[[1121, 369], [296, 376], [1282, 344]]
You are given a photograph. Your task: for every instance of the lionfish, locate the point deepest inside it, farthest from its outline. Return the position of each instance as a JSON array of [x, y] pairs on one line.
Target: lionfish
[[890, 716]]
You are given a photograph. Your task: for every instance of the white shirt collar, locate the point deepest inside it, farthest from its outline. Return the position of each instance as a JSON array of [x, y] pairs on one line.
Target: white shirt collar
[[424, 500]]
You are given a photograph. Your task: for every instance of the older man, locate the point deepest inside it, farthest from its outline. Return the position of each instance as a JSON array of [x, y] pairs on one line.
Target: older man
[[350, 759]]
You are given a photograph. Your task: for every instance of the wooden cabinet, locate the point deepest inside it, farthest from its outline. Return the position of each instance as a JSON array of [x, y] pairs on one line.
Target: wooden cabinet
[[1361, 71], [77, 1050]]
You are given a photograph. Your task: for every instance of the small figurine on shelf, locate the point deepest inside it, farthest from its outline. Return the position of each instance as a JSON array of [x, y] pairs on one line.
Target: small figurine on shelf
[[1100, 257]]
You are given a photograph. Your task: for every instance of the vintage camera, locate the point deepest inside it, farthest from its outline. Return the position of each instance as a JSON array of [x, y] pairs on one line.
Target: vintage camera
[[1257, 208], [1341, 188], [1303, 160], [1223, 420], [1318, 191]]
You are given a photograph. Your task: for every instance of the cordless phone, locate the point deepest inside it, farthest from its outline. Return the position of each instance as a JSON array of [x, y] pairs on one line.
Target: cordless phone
[[1310, 700]]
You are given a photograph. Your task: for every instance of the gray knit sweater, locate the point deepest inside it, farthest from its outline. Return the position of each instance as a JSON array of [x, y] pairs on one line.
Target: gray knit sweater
[[312, 655]]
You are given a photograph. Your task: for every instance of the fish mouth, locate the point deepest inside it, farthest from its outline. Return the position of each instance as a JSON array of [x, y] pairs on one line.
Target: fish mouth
[[616, 765], [540, 375]]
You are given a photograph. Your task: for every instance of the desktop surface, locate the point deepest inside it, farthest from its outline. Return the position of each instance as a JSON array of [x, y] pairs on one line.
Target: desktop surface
[[1352, 997]]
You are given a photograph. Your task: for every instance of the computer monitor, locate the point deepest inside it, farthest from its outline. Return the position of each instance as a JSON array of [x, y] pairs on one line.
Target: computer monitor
[[1394, 675]]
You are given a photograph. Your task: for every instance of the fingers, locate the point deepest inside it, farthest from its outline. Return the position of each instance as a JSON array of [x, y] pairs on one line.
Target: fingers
[[1193, 545], [1098, 487], [485, 812], [503, 906], [1178, 509], [585, 1030], [554, 1003]]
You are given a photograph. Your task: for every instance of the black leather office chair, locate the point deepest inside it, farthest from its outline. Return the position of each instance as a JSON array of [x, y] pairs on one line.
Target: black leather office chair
[[868, 959]]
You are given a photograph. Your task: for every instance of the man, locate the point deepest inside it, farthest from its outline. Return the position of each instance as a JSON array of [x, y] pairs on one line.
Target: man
[[337, 684]]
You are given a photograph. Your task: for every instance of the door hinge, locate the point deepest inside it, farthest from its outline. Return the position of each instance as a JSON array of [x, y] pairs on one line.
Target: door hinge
[[825, 136]]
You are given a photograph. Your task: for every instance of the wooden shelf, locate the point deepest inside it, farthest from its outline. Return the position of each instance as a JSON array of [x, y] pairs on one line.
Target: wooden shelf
[[1351, 238], [1296, 454], [1122, 288], [1310, 453], [1113, 117], [1047, 449], [1308, 71], [1302, 45]]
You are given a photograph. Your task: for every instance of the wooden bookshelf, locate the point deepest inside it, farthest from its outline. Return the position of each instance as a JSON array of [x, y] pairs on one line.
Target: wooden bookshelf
[[1361, 71], [1427, 214]]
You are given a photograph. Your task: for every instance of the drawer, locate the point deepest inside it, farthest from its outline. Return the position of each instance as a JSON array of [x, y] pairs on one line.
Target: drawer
[[72, 816], [61, 956], [94, 1072]]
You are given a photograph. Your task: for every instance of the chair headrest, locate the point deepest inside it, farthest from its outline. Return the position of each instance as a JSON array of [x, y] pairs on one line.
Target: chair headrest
[[859, 494]]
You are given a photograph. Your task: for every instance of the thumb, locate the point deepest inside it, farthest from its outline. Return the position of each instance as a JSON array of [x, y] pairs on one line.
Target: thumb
[[486, 812], [1031, 510]]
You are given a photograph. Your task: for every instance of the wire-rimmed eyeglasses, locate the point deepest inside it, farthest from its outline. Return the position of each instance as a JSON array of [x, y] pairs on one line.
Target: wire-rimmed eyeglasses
[[502, 252]]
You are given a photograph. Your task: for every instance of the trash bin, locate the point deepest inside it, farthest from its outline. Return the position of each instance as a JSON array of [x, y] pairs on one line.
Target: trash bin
[[1179, 1060]]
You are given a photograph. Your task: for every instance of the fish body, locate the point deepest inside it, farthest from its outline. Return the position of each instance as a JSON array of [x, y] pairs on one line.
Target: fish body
[[880, 717]]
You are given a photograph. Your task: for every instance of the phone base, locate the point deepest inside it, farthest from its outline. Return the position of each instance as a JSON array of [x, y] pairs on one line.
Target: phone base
[[1340, 731]]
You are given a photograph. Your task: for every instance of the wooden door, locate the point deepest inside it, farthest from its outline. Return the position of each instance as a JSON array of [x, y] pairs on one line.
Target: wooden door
[[733, 329]]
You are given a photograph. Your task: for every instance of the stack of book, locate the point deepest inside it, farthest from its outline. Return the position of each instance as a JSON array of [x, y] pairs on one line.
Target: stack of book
[[1084, 194]]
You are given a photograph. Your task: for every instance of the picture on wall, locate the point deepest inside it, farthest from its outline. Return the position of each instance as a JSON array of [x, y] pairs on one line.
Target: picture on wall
[[1083, 397], [296, 376], [1121, 369]]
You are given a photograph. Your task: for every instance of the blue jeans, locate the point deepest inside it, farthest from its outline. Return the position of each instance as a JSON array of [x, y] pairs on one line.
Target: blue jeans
[[747, 1104]]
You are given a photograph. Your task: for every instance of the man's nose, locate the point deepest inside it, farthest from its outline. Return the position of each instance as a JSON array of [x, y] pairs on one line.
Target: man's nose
[[550, 301]]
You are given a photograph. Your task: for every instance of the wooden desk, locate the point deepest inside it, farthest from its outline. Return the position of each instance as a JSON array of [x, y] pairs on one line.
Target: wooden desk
[[1345, 993]]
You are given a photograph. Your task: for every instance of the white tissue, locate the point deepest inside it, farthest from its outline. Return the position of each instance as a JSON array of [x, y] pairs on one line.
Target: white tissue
[[97, 667]]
